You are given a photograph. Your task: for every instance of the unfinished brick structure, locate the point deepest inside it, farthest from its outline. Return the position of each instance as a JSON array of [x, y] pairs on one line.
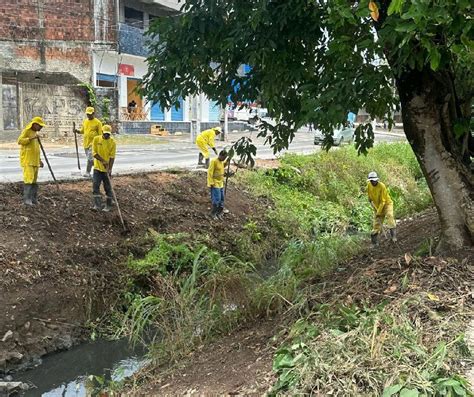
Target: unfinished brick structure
[[46, 49]]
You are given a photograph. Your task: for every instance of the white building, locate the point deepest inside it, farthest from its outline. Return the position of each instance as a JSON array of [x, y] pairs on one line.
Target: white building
[[122, 69]]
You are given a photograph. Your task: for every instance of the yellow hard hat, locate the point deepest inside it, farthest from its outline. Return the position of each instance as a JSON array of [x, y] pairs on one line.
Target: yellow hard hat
[[90, 110], [38, 120], [218, 129], [106, 129]]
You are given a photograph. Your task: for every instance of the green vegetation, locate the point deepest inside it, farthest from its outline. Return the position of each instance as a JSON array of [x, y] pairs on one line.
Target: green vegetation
[[373, 350], [325, 192], [182, 293]]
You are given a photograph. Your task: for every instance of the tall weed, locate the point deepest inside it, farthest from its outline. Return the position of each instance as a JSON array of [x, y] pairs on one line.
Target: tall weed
[[326, 191]]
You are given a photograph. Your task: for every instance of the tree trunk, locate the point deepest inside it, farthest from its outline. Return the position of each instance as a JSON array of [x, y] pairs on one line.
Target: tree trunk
[[429, 111]]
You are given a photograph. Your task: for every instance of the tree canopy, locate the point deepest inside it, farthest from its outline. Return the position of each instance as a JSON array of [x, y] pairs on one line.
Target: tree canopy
[[311, 61]]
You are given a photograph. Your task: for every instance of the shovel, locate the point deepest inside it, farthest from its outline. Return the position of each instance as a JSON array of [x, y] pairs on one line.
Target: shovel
[[125, 230], [47, 162], [77, 150]]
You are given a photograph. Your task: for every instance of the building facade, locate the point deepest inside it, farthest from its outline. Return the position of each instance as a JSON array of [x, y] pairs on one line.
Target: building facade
[[124, 66], [46, 51], [48, 48]]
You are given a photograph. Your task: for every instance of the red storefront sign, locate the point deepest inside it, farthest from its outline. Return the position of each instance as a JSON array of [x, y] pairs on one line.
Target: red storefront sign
[[126, 70]]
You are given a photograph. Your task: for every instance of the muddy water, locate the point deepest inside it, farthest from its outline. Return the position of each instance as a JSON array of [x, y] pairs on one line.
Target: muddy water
[[65, 374]]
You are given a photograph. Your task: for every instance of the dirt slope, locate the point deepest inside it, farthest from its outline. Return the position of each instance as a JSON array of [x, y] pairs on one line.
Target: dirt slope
[[242, 363], [61, 264]]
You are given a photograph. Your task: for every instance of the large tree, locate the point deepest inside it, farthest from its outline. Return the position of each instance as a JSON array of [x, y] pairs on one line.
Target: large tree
[[314, 60]]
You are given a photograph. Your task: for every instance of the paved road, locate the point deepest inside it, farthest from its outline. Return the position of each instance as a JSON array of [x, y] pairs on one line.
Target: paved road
[[135, 158]]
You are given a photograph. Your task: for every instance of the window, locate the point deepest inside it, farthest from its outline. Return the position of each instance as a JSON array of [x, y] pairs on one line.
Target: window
[[105, 80], [134, 17]]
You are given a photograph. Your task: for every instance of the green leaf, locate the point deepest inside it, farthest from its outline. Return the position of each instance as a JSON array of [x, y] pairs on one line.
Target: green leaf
[[283, 360], [459, 390], [435, 58], [395, 6], [391, 390], [409, 393]]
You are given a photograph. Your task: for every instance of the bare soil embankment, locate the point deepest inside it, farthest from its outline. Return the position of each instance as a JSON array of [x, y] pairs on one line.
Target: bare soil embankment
[[62, 264]]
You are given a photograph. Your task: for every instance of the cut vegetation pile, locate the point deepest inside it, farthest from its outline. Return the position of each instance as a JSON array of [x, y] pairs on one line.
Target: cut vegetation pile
[[381, 326]]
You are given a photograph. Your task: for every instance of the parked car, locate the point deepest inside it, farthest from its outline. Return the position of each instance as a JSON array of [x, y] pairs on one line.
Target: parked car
[[341, 135]]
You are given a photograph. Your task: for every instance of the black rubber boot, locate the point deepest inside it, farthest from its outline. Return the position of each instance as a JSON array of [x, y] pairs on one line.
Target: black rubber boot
[[34, 196], [374, 239], [200, 158], [214, 212], [207, 163], [220, 213], [393, 235], [28, 194], [97, 203], [108, 205]]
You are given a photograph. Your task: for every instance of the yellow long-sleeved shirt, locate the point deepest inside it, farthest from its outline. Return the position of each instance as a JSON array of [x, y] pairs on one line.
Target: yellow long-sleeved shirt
[[105, 148], [215, 173], [207, 137], [379, 195], [90, 129], [29, 149]]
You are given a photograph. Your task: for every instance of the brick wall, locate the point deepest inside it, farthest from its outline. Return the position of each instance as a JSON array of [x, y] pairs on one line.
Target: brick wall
[[75, 20], [55, 35]]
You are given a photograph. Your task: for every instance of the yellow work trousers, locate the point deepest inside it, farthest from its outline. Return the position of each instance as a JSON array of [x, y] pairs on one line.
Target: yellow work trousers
[[30, 174], [202, 145], [387, 214]]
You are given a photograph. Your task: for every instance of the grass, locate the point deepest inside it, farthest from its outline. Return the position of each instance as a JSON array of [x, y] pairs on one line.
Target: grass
[[325, 192], [182, 294]]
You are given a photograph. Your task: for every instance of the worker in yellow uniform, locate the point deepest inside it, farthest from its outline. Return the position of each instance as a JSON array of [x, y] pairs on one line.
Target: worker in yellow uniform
[[215, 183], [205, 140], [382, 204], [91, 127], [30, 159], [103, 151]]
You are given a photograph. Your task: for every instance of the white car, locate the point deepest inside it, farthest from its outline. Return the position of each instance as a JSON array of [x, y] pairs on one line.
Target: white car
[[340, 136]]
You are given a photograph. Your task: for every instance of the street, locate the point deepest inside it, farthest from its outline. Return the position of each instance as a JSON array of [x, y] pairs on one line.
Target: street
[[146, 158]]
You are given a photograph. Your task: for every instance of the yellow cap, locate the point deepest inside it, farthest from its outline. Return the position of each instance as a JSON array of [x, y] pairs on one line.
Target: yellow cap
[[106, 129], [218, 129], [38, 120], [90, 110]]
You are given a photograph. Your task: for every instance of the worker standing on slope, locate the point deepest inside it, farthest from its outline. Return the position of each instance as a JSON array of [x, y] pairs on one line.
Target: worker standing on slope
[[382, 204], [215, 183], [103, 151], [204, 140], [30, 159], [91, 127]]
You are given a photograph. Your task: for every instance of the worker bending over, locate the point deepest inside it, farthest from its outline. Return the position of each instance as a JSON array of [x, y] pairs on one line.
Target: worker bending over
[[103, 151], [30, 159], [215, 183], [382, 204], [91, 127], [205, 140]]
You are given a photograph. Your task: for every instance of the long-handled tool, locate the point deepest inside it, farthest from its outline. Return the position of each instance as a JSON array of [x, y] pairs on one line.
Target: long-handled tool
[[382, 228], [227, 177], [124, 226], [47, 162], [75, 140]]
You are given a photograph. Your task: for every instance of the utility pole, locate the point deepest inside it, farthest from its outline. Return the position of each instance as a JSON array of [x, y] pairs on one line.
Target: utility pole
[[226, 121], [195, 117]]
